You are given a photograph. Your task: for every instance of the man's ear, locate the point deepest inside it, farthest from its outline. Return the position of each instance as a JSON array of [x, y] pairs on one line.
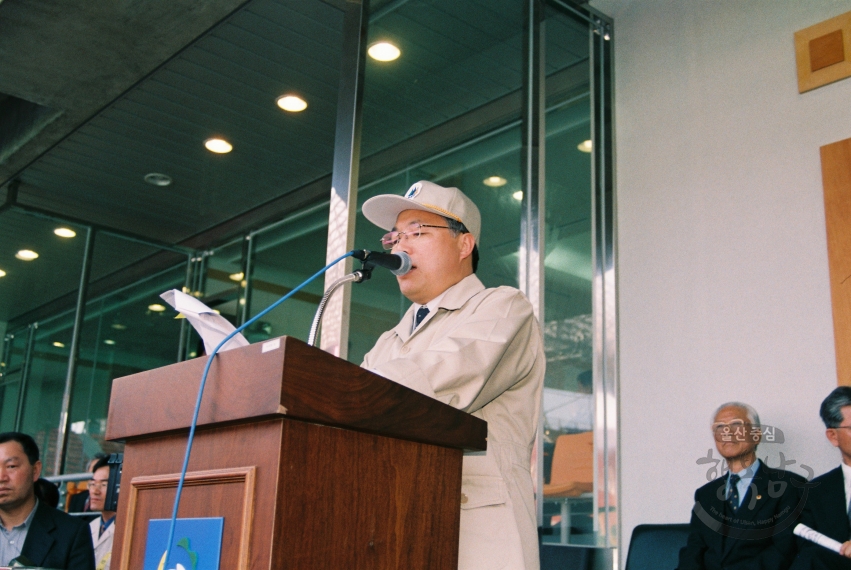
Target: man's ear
[[36, 470], [831, 437], [468, 242]]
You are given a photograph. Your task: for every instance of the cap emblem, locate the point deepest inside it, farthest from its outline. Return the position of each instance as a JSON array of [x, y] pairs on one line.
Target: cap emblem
[[413, 191]]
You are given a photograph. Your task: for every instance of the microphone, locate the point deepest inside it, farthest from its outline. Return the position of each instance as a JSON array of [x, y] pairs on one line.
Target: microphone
[[397, 263]]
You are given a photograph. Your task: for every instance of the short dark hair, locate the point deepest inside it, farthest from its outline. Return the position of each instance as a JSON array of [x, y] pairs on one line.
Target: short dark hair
[[27, 442], [831, 407], [47, 492], [102, 462], [456, 228]]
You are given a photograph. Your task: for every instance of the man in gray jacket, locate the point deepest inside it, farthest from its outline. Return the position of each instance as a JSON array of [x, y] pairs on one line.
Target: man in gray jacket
[[476, 349]]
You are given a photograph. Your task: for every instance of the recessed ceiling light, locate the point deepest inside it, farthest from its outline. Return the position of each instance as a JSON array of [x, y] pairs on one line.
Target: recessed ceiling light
[[158, 179], [65, 232], [58, 344], [119, 326], [494, 181], [518, 195], [2, 273], [585, 146], [156, 307], [109, 341], [383, 51], [219, 146], [292, 103], [236, 276], [26, 255]]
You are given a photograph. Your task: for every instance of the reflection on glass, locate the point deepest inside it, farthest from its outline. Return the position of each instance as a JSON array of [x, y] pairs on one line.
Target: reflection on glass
[[568, 407], [121, 335], [425, 119], [284, 256]]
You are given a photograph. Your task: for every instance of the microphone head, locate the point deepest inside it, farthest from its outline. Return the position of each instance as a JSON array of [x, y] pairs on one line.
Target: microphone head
[[405, 265]]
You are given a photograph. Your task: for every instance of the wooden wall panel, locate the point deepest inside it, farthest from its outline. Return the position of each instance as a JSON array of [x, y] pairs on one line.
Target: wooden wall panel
[[836, 179]]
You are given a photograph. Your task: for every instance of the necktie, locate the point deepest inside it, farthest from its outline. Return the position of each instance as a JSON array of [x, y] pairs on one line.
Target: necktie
[[421, 314], [733, 494]]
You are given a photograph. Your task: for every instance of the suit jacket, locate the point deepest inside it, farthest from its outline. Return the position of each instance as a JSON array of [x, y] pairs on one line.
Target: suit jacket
[[58, 540], [825, 511], [102, 543], [78, 502], [481, 352], [757, 537]]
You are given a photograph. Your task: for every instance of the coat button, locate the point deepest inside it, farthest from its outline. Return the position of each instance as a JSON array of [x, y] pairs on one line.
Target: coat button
[[463, 499], [406, 349]]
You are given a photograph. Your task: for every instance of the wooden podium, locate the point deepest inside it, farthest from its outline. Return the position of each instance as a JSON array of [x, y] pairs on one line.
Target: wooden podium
[[312, 461]]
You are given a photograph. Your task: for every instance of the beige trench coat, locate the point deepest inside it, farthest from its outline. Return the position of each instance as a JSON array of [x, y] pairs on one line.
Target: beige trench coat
[[481, 352]]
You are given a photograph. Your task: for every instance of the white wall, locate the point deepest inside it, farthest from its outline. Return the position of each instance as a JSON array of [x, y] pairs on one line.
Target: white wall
[[723, 276]]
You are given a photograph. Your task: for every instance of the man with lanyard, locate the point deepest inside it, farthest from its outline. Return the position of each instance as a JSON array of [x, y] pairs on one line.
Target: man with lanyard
[[103, 527]]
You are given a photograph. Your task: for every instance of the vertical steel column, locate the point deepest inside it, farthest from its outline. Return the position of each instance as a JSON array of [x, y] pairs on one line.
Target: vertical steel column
[[25, 375], [65, 414], [344, 179], [604, 305], [184, 328], [532, 252], [532, 219], [244, 298]]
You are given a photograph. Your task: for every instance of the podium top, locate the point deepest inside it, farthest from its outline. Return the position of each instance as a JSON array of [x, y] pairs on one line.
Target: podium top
[[284, 377]]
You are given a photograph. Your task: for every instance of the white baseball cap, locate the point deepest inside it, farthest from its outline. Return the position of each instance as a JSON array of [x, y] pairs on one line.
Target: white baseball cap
[[382, 210]]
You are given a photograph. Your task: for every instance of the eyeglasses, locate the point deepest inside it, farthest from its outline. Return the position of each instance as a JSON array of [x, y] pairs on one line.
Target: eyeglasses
[[102, 485], [736, 430], [390, 239]]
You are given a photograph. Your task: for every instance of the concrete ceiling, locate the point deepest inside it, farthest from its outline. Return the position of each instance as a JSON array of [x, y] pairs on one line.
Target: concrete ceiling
[[75, 57]]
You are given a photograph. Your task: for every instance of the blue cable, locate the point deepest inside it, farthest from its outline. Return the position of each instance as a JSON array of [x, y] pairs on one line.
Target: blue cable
[[204, 381]]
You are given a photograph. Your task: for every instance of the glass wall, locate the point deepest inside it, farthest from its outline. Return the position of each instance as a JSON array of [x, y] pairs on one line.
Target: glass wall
[[123, 332], [450, 109], [424, 119]]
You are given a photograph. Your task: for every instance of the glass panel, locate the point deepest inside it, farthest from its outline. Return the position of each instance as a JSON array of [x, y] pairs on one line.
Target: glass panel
[[123, 333], [10, 389], [284, 256], [222, 287], [448, 111], [45, 385], [568, 438]]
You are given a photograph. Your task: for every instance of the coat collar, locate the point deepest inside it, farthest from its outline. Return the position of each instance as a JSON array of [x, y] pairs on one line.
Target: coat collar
[[94, 527], [453, 299]]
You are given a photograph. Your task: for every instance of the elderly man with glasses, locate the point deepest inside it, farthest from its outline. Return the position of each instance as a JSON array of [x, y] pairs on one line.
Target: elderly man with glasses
[[827, 509], [477, 349], [744, 519]]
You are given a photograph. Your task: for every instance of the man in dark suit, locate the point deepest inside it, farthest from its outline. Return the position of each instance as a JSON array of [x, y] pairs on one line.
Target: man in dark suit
[[826, 509], [744, 519], [31, 531]]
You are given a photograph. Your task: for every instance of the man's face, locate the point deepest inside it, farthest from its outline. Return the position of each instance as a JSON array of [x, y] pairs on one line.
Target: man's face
[[840, 437], [17, 476], [97, 488], [734, 434], [438, 259]]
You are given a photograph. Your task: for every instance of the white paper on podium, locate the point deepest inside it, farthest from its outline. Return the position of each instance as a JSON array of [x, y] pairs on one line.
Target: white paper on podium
[[804, 531], [211, 326]]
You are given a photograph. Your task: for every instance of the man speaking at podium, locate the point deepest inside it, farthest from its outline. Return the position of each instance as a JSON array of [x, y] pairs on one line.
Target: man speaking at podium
[[476, 349]]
